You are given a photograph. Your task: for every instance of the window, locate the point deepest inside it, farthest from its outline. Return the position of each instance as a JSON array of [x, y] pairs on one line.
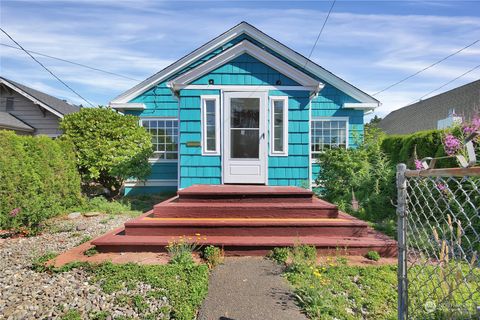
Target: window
[[210, 125], [327, 134], [9, 104], [164, 137], [279, 125]]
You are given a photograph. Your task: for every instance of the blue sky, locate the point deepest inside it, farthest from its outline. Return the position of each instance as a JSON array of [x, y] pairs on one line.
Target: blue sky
[[371, 44]]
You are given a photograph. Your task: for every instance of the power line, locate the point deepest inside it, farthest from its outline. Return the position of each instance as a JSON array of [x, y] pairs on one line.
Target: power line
[[447, 83], [320, 32], [44, 67], [71, 62], [426, 68]]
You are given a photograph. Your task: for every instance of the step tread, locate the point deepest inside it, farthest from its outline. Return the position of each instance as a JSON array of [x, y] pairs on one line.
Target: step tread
[[153, 222], [315, 204], [117, 238], [242, 190]]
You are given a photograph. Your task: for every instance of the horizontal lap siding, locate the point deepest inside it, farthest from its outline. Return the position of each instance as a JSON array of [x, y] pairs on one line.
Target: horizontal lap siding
[[292, 170], [195, 168]]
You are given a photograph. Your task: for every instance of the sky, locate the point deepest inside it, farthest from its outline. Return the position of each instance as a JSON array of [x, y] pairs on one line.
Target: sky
[[371, 44]]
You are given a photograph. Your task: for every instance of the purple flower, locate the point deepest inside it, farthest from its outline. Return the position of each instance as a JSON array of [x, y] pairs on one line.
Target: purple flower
[[442, 187], [418, 164], [451, 144], [472, 126], [14, 212]]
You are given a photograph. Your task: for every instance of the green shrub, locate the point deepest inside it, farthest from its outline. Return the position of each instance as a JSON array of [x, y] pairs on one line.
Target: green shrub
[[103, 205], [364, 170], [373, 255], [213, 255], [39, 180], [72, 315], [110, 147], [91, 252], [279, 255]]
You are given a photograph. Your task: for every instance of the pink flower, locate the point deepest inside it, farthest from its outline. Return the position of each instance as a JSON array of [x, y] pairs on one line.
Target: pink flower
[[442, 187], [14, 212], [451, 144], [418, 164]]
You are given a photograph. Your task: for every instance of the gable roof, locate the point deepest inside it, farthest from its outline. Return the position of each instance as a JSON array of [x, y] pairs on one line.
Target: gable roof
[[9, 121], [52, 104], [237, 50], [239, 29], [424, 115]]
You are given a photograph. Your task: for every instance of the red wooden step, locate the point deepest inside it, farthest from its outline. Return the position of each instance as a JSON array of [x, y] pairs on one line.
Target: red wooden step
[[243, 227], [117, 241], [316, 208], [243, 193]]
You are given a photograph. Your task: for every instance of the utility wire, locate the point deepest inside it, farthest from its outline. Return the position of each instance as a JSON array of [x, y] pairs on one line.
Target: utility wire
[[44, 67], [426, 68], [71, 62], [446, 84], [320, 32]]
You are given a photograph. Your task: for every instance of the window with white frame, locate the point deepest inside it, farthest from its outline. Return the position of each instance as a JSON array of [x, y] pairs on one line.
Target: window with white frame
[[164, 137], [210, 125], [279, 125], [327, 134]]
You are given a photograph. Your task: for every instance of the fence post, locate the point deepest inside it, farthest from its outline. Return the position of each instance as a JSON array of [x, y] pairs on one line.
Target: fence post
[[402, 240]]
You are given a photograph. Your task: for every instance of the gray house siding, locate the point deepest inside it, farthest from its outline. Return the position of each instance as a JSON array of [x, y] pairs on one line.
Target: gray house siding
[[424, 115], [35, 116]]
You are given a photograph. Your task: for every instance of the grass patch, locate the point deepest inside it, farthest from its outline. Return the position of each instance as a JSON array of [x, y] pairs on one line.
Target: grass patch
[[90, 252], [72, 315], [84, 239], [335, 290]]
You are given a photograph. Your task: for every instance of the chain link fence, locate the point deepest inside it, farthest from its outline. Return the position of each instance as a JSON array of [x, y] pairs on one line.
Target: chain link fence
[[439, 243]]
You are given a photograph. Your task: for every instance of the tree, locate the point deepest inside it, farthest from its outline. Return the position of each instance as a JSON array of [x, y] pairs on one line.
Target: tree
[[110, 147], [373, 122]]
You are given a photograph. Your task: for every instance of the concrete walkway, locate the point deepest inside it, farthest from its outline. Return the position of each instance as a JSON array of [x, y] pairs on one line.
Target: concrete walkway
[[249, 288]]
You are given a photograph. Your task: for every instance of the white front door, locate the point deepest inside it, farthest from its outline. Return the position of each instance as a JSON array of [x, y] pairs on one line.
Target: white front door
[[245, 137]]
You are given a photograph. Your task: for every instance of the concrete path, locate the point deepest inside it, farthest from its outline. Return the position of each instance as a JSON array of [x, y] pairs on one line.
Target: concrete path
[[249, 288]]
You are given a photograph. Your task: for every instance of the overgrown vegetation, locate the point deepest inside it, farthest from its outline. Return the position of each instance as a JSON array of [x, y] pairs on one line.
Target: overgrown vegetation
[[373, 255], [279, 255], [180, 250], [39, 180], [110, 147], [334, 290], [364, 171], [213, 256]]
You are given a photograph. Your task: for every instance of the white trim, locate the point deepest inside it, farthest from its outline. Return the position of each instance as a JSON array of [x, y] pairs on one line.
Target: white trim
[[35, 101], [240, 48], [347, 128], [247, 87], [284, 152], [361, 106], [151, 183], [245, 28], [203, 99], [157, 160], [127, 106]]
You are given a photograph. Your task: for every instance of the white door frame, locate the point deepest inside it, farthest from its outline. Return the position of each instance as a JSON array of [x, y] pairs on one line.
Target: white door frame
[[263, 132]]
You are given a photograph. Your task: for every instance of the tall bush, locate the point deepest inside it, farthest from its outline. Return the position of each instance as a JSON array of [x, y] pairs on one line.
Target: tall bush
[[39, 179], [110, 147], [364, 170]]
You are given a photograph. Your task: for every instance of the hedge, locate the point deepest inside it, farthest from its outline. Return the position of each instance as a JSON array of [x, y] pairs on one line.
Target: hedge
[[39, 180], [401, 148]]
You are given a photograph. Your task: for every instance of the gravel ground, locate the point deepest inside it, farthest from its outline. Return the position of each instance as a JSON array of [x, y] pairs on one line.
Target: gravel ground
[[26, 294]]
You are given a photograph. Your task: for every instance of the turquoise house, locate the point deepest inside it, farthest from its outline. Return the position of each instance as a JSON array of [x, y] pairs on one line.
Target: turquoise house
[[243, 109]]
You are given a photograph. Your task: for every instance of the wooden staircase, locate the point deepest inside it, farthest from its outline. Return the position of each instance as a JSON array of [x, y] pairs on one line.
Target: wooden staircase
[[247, 220]]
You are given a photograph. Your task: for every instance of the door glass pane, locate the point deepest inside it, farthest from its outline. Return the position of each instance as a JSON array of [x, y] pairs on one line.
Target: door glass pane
[[245, 112], [244, 143]]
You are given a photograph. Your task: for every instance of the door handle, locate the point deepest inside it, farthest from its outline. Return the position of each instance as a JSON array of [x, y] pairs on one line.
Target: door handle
[[262, 136]]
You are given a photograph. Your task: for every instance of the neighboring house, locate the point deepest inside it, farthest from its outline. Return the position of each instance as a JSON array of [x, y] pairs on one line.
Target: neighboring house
[[243, 109], [29, 111], [437, 112]]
